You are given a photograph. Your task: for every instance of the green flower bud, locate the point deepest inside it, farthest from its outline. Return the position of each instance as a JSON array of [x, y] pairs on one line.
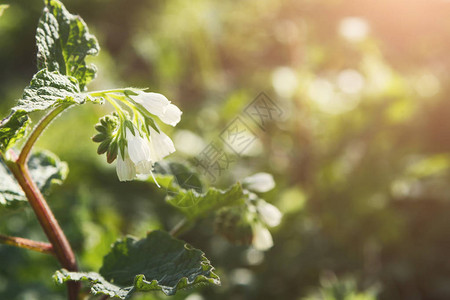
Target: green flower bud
[[235, 225], [111, 153], [103, 147], [106, 136]]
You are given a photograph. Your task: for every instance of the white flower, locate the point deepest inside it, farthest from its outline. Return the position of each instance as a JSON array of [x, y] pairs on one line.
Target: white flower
[[160, 145], [259, 182], [159, 106], [262, 239], [139, 152], [137, 157], [270, 215], [125, 168]]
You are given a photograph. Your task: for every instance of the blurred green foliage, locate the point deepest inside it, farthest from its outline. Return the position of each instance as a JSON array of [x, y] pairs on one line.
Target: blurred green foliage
[[360, 158]]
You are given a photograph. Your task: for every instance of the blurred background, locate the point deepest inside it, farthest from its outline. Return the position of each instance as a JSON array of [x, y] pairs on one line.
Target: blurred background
[[360, 156]]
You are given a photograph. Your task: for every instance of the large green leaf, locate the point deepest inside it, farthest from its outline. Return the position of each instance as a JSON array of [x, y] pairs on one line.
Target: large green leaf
[[158, 262], [63, 42], [194, 204], [48, 89], [45, 168]]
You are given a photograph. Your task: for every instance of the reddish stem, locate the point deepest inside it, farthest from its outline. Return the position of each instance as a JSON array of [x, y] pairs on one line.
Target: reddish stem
[[55, 235], [27, 244], [44, 214]]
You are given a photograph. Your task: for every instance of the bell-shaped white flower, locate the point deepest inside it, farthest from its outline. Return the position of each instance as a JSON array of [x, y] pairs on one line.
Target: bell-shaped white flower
[[137, 157], [160, 145], [259, 182], [172, 115], [141, 153], [138, 148], [125, 168], [269, 214], [160, 106], [262, 239]]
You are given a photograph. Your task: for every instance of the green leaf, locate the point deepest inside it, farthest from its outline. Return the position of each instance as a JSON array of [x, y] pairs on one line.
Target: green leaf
[[99, 285], [174, 175], [48, 89], [63, 41], [195, 205], [12, 129], [158, 262], [45, 168]]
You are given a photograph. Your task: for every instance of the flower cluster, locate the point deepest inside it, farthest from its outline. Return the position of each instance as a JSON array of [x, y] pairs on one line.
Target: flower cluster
[[249, 223], [143, 149], [136, 142], [269, 216]]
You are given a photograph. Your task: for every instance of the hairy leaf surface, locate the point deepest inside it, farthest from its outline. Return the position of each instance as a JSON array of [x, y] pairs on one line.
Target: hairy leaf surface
[[63, 42], [158, 262], [194, 204]]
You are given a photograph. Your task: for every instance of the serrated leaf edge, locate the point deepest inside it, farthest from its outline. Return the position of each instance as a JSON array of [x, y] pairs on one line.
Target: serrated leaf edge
[[140, 283]]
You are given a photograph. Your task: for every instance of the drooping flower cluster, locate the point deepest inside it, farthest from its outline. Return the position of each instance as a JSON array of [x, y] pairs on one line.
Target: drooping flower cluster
[[249, 223], [143, 149], [269, 216], [136, 142]]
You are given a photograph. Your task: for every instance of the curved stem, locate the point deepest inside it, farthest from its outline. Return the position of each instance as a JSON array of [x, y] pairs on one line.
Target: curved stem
[[53, 231], [24, 154], [55, 235], [116, 106], [104, 92], [180, 227], [27, 244]]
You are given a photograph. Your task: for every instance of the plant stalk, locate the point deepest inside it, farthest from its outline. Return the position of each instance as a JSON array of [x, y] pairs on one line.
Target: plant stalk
[[37, 131], [27, 244], [180, 227], [44, 214], [55, 235]]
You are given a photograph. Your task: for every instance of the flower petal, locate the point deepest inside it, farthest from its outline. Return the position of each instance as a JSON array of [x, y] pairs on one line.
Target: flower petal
[[160, 106], [270, 214], [125, 168], [154, 103], [144, 167], [259, 182], [262, 239], [160, 146], [172, 115], [138, 148]]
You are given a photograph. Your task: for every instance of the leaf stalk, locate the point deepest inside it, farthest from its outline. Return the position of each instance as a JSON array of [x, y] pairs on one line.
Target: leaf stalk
[[27, 244], [25, 153]]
